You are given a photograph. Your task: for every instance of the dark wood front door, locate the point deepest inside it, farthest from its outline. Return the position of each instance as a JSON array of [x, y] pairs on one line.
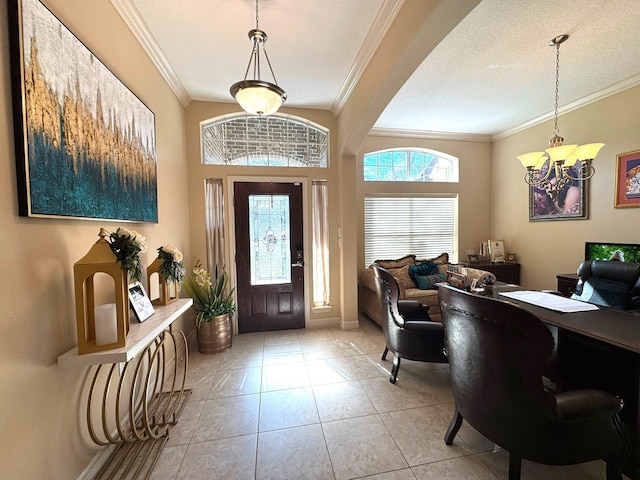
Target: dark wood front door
[[269, 256]]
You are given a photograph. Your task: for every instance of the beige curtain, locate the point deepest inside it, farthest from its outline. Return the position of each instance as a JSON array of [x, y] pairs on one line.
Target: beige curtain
[[321, 290], [214, 224]]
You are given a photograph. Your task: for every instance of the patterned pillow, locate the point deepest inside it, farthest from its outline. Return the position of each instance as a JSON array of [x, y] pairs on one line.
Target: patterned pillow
[[428, 282], [401, 262], [402, 277]]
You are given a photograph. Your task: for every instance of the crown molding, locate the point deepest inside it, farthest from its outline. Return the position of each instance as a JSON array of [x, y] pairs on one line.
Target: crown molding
[[430, 135], [133, 20], [630, 82], [381, 25]]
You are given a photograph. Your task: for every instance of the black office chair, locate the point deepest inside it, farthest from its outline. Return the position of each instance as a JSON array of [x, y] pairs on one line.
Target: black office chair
[[609, 283], [408, 331], [497, 352]]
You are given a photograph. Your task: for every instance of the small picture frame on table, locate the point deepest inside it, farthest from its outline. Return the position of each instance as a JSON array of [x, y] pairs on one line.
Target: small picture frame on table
[[511, 257], [474, 258], [496, 251], [140, 302]]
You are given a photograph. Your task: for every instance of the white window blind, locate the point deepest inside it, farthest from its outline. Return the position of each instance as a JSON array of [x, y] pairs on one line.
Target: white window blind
[[395, 226]]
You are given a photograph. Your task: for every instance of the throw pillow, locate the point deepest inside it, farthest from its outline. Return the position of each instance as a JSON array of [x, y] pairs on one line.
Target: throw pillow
[[401, 262], [422, 269], [442, 261], [402, 277], [428, 282]]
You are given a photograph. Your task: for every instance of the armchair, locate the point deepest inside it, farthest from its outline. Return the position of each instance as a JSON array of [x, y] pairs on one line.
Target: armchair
[[497, 352], [408, 331]]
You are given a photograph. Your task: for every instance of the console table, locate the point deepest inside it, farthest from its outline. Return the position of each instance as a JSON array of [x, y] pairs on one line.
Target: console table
[[508, 272], [137, 391]]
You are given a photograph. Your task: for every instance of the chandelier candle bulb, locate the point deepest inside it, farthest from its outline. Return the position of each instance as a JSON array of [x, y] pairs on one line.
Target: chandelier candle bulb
[[106, 324]]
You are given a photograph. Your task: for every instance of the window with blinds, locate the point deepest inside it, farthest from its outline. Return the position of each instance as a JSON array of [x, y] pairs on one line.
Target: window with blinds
[[395, 226]]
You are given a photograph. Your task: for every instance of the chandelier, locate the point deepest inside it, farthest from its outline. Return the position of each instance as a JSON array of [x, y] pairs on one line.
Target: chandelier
[[566, 164], [257, 96]]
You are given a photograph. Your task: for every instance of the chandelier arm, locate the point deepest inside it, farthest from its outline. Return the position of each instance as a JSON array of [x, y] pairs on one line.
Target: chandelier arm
[[586, 171], [264, 50]]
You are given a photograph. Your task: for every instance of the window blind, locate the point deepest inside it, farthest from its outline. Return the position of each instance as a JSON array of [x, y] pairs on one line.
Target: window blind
[[395, 226]]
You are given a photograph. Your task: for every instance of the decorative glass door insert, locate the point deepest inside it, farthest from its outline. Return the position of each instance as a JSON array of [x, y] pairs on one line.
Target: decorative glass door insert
[[269, 238]]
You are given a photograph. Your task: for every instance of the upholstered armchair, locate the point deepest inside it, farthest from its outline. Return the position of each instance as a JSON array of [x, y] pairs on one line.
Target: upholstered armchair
[[609, 283], [497, 352], [408, 331]]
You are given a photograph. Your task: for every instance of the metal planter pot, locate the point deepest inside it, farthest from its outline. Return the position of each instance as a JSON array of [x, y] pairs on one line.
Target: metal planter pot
[[216, 335]]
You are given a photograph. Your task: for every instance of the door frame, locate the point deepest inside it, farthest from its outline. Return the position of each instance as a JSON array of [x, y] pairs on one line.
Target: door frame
[[231, 243]]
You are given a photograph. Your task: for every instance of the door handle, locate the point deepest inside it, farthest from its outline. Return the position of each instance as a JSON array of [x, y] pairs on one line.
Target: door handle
[[298, 264]]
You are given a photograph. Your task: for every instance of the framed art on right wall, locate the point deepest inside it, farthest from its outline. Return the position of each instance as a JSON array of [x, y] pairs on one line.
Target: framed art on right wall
[[627, 180]]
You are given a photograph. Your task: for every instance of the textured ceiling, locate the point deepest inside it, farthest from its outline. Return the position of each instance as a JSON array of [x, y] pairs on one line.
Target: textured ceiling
[[492, 74]]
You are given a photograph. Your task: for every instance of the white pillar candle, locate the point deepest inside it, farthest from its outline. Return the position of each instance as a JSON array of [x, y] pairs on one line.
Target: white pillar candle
[[106, 324]]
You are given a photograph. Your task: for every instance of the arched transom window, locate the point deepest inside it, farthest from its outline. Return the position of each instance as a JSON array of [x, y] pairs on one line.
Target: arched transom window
[[410, 165], [276, 141]]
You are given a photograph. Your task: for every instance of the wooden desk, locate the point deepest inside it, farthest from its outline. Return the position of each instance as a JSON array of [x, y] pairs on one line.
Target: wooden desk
[[600, 349]]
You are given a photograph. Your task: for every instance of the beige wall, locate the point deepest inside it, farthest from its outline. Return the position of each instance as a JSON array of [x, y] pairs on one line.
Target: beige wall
[[43, 433], [548, 248], [473, 190]]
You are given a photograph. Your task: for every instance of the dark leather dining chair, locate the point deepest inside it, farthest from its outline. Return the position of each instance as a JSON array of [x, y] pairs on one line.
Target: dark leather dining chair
[[408, 331], [497, 352]]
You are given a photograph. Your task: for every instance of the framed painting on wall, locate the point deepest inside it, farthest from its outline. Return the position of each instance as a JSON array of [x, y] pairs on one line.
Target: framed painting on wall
[[570, 204], [628, 180], [85, 144]]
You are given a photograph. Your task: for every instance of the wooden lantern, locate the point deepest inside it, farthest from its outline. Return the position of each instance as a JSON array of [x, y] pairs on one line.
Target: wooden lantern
[[168, 291], [99, 259]]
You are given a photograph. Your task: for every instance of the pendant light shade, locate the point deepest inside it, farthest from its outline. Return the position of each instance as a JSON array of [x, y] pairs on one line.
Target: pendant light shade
[[257, 96]]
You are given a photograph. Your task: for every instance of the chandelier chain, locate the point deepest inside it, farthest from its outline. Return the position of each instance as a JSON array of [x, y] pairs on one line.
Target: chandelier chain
[[257, 21], [555, 115]]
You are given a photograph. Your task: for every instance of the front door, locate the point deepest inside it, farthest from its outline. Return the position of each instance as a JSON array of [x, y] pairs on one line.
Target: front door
[[269, 256]]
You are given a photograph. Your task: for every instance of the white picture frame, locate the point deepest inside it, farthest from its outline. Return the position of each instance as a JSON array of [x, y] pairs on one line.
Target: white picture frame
[[496, 251], [140, 302]]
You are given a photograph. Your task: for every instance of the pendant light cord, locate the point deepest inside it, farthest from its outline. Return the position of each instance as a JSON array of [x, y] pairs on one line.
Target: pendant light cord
[[257, 25], [555, 116]]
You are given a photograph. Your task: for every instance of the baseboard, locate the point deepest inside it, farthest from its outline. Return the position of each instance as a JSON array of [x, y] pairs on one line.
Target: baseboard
[[350, 325], [99, 460], [323, 323]]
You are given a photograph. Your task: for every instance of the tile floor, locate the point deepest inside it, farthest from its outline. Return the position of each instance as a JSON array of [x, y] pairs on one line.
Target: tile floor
[[317, 404]]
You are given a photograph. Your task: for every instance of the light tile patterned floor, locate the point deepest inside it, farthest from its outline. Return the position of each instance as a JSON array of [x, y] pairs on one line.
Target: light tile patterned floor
[[317, 404]]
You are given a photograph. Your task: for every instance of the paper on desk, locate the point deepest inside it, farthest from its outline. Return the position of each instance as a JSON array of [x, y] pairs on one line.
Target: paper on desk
[[550, 301]]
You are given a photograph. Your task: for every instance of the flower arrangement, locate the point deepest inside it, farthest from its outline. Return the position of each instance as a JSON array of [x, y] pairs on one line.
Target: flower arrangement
[[127, 245], [171, 269], [210, 298]]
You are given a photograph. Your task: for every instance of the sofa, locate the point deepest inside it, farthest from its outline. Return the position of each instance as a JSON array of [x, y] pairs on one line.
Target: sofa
[[404, 271]]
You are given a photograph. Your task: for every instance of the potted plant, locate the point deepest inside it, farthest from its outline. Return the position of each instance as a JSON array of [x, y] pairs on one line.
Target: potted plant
[[213, 304]]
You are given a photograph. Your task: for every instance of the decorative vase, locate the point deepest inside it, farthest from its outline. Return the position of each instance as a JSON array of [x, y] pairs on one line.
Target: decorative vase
[[215, 336]]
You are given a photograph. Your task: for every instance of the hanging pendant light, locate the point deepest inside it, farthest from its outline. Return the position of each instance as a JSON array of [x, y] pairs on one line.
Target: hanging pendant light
[[257, 96], [559, 170]]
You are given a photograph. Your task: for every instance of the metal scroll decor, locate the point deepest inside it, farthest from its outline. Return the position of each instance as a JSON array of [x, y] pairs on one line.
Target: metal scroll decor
[[85, 144]]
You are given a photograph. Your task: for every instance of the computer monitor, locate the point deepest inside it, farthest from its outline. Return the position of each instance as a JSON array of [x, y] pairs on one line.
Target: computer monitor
[[627, 252]]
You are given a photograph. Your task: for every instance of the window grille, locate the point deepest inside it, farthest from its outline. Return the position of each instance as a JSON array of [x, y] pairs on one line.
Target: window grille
[[274, 141], [410, 165]]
